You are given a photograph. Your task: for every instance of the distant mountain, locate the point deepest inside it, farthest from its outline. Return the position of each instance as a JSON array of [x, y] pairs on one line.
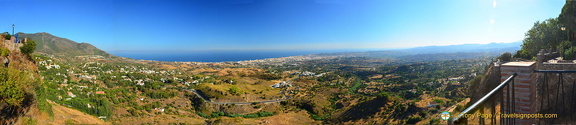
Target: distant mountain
[[50, 44], [468, 48], [432, 53]]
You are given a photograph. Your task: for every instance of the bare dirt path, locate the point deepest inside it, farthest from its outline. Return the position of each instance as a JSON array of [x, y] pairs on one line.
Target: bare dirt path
[[237, 103]]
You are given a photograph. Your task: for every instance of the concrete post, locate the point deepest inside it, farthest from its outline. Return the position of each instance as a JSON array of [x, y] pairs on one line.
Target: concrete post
[[540, 58]]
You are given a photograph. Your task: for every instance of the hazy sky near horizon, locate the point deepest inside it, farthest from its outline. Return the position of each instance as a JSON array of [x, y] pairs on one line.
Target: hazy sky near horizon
[[277, 24]]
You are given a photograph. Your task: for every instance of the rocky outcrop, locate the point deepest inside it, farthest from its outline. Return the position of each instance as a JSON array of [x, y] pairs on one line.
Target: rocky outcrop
[[5, 61]]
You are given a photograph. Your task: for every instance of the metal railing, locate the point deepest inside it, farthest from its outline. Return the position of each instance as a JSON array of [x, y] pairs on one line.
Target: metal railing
[[499, 89], [554, 100]]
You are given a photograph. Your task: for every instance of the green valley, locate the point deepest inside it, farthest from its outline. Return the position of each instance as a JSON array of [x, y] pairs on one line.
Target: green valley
[[319, 88]]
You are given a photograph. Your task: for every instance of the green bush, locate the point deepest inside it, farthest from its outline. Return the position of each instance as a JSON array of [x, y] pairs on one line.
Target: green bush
[[264, 114], [439, 101], [12, 86], [216, 114], [434, 121], [570, 53], [506, 57], [423, 113], [233, 115], [7, 36], [317, 117], [29, 121], [234, 90], [250, 116], [414, 120], [202, 114], [4, 52], [28, 47], [563, 46]]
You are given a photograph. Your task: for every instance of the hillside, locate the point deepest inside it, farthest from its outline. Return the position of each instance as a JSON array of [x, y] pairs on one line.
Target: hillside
[[18, 81], [53, 45], [299, 89], [61, 115]]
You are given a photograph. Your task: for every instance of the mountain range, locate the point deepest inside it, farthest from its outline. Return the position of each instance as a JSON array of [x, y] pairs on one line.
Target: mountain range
[[54, 45], [491, 47]]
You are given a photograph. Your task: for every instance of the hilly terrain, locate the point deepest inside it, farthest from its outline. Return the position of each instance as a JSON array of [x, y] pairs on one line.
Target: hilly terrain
[[50, 44], [310, 89]]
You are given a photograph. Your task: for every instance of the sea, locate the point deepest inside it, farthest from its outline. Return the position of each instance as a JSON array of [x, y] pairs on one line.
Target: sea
[[216, 56]]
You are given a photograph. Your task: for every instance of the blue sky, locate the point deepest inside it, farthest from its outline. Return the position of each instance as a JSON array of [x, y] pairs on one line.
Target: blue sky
[[277, 24]]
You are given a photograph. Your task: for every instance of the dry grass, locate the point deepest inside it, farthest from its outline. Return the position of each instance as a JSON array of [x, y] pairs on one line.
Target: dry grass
[[63, 115], [162, 119], [246, 91], [290, 118]]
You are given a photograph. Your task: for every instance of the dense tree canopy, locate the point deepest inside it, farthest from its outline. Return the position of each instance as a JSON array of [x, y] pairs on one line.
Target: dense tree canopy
[[548, 34], [543, 35], [568, 15]]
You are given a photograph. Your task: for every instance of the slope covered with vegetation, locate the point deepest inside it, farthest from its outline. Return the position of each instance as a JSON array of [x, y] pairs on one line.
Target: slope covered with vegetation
[[327, 89], [18, 81], [50, 44]]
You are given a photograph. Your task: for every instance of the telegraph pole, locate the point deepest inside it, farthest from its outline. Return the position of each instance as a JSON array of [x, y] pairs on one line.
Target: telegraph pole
[[13, 28]]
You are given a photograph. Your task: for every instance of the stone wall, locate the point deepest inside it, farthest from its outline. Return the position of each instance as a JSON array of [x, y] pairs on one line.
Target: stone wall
[[537, 92], [542, 93]]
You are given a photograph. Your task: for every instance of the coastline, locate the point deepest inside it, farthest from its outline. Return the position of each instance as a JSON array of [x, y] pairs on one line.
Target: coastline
[[214, 56]]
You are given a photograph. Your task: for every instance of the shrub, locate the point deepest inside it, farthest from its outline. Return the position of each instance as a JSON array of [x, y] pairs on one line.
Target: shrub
[[570, 53], [423, 113], [234, 90], [250, 116], [202, 114], [264, 114], [233, 115], [7, 36], [28, 47], [12, 86], [434, 121], [4, 52], [563, 46], [414, 120], [505, 57]]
